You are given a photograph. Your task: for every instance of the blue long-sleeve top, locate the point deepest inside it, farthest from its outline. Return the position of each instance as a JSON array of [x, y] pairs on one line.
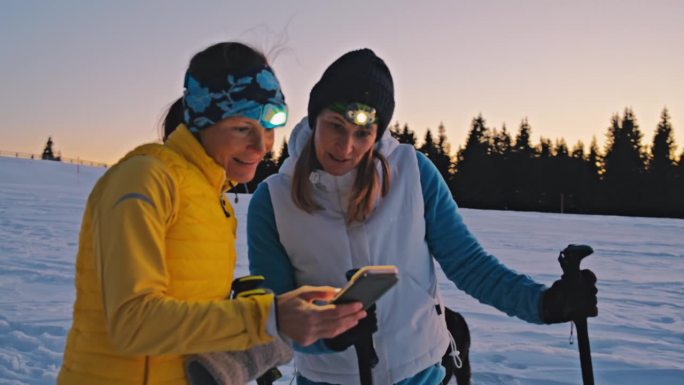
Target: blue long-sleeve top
[[453, 246]]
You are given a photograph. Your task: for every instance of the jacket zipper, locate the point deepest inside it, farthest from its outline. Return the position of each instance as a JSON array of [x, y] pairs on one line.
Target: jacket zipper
[[146, 370]]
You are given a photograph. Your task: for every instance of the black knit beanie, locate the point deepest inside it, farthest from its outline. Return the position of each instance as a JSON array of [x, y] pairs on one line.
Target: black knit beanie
[[356, 77]]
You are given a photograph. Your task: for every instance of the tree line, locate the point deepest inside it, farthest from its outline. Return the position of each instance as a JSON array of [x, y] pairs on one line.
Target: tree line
[[495, 169]]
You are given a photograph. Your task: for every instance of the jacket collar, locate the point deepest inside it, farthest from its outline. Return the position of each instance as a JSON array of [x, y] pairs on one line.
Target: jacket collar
[[183, 142]]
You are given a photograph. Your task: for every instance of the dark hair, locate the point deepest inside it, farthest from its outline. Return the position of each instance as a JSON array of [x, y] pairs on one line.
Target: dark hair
[[215, 61], [223, 58], [174, 117]]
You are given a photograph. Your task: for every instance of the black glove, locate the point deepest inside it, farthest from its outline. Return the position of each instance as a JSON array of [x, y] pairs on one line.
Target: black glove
[[565, 301], [366, 326]]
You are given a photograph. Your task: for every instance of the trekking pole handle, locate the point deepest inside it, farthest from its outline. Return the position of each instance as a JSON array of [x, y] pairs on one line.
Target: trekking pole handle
[[571, 257]]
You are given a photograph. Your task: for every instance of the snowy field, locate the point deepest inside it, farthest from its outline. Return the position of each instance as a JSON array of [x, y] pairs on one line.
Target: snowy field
[[638, 337]]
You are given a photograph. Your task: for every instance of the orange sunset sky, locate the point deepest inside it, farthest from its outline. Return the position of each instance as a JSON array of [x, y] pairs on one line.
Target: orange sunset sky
[[97, 76]]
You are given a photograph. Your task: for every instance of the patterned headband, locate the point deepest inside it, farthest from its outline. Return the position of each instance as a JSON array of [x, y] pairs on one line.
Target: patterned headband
[[254, 94]]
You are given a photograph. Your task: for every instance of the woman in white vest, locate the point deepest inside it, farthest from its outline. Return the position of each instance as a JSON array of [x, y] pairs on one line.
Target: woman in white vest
[[351, 195]]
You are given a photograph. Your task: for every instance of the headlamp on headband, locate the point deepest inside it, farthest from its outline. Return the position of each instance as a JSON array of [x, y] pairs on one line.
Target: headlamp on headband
[[269, 115], [356, 113]]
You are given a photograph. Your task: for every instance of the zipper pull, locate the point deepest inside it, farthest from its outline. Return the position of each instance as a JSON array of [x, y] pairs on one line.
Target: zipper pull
[[222, 202]]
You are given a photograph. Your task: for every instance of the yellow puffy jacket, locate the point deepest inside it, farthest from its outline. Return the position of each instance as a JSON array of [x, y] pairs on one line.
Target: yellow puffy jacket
[[154, 266]]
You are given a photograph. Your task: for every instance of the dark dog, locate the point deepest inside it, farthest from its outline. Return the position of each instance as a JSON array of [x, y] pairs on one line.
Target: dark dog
[[459, 330]]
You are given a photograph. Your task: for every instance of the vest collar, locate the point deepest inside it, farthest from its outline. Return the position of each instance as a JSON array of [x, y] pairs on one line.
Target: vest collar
[[328, 182]]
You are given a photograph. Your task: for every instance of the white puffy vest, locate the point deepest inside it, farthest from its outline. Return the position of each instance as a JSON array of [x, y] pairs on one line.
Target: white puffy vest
[[412, 335]]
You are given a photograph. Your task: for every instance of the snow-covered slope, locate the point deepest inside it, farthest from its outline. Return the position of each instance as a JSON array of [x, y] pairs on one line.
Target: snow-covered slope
[[638, 337]]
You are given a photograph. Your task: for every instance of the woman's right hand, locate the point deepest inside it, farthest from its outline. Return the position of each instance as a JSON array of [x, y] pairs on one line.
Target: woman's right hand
[[305, 322]]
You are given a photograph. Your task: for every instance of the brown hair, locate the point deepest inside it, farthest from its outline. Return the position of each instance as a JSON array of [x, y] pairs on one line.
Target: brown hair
[[367, 185]]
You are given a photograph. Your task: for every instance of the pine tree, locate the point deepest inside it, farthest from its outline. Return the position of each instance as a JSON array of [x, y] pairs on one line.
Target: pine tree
[[624, 164], [545, 148], [473, 184], [266, 167], [408, 136], [478, 142], [433, 151], [522, 140], [561, 150], [544, 185], [525, 170], [404, 135], [661, 171], [48, 154], [429, 148], [578, 150], [501, 151], [591, 171], [501, 142], [631, 129], [442, 143], [442, 158], [564, 177], [662, 152], [594, 160], [395, 130], [283, 154], [582, 182]]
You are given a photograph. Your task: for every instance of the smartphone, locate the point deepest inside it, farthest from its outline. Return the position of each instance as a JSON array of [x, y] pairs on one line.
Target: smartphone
[[368, 284]]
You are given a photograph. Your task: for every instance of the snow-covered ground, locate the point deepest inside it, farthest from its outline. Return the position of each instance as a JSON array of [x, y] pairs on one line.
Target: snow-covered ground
[[638, 337]]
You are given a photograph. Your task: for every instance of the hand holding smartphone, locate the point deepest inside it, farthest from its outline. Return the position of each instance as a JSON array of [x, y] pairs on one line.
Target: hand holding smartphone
[[368, 284]]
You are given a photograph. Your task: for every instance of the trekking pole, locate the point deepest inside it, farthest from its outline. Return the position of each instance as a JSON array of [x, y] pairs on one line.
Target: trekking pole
[[366, 356], [570, 259]]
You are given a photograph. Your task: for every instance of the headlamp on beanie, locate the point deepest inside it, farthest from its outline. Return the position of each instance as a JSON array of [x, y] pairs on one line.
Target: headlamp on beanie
[[360, 80], [359, 114]]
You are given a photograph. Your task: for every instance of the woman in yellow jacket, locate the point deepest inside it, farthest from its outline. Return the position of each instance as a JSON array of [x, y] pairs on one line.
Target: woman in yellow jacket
[[157, 244]]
